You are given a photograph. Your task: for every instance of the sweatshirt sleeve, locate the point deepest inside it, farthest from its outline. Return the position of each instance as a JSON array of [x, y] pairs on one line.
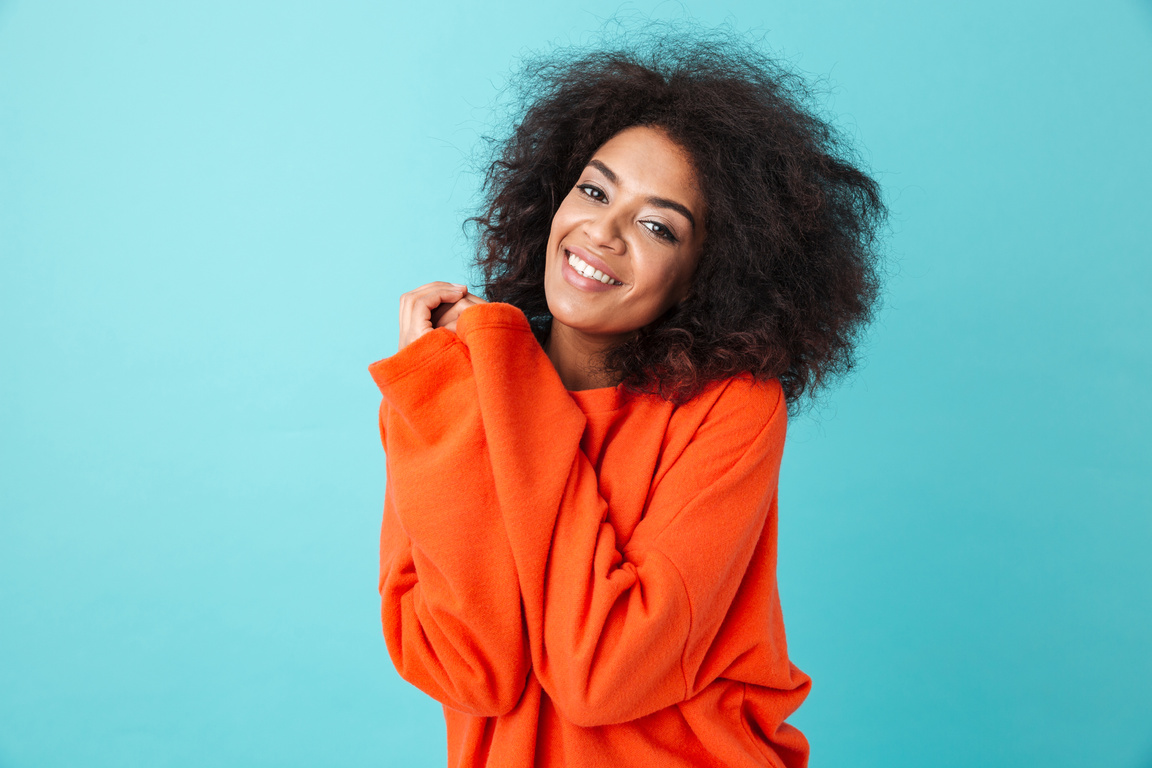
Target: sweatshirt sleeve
[[614, 632], [450, 599]]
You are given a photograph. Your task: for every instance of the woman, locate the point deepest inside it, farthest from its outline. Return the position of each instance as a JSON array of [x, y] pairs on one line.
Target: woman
[[579, 541]]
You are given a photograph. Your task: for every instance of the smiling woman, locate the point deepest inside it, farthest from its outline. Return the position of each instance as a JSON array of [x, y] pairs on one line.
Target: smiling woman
[[578, 548], [621, 249]]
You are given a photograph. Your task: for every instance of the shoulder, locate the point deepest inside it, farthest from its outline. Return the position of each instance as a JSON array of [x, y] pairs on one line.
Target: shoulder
[[745, 392], [732, 415], [734, 429], [753, 403]]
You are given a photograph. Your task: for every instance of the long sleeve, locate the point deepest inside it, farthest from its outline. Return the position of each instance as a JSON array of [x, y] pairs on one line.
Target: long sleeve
[[614, 631], [450, 596], [618, 632]]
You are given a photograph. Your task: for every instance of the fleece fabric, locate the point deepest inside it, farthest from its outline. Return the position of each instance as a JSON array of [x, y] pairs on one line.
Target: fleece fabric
[[583, 578]]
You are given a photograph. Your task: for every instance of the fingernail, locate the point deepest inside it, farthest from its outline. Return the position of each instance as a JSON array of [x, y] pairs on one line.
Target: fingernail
[[458, 285]]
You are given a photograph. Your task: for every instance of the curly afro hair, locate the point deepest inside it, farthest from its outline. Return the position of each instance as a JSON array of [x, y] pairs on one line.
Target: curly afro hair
[[788, 276]]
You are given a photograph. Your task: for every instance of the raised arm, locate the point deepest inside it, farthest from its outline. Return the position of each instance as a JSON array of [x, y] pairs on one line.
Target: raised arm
[[449, 590], [616, 633]]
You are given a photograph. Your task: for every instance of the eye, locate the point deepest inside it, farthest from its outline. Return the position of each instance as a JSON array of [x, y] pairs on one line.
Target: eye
[[660, 230], [591, 191]]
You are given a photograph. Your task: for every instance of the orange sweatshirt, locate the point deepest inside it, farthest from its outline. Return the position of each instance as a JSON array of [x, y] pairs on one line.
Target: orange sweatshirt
[[587, 578]]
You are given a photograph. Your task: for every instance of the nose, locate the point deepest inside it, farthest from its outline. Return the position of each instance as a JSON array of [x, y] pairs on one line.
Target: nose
[[604, 230]]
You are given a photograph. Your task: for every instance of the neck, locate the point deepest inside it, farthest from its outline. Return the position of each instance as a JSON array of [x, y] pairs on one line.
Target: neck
[[576, 357]]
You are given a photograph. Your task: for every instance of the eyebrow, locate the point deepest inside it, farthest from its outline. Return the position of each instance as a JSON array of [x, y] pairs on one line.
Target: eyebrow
[[660, 202]]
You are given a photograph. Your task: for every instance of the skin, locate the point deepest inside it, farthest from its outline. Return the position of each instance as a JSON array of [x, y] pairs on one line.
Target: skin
[[426, 307], [638, 209], [618, 211]]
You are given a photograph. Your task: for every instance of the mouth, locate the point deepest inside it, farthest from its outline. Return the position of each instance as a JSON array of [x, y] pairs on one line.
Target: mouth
[[584, 269]]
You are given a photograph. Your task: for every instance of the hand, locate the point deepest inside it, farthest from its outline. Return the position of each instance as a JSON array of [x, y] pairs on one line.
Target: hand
[[445, 315], [417, 307], [435, 305]]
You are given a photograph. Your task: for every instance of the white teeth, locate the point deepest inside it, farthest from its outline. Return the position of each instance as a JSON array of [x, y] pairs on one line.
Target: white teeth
[[588, 271]]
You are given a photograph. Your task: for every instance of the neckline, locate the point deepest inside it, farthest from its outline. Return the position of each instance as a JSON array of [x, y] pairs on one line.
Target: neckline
[[598, 399]]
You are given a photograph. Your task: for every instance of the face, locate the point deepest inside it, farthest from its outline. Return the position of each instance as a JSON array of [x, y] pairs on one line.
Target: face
[[636, 214]]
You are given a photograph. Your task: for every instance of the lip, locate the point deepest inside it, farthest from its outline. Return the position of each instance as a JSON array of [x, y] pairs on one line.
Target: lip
[[590, 260], [577, 280]]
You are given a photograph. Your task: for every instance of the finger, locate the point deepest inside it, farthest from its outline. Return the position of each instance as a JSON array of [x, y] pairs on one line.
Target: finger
[[440, 311], [423, 300], [436, 284], [448, 316], [447, 313], [433, 293], [417, 306], [433, 288], [472, 298]]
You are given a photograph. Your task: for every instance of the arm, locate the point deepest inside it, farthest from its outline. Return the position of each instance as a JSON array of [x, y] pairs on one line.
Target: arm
[[655, 607], [450, 597], [616, 634]]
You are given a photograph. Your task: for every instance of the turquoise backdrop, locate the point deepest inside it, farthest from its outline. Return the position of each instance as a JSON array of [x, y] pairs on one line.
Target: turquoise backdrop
[[208, 211]]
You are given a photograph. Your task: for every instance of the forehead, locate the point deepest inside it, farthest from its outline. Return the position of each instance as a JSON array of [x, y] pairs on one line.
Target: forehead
[[646, 161]]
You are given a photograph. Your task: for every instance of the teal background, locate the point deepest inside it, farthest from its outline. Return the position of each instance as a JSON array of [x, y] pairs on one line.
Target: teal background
[[209, 210]]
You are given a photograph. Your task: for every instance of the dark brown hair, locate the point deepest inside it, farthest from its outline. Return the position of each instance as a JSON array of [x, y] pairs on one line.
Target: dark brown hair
[[788, 274]]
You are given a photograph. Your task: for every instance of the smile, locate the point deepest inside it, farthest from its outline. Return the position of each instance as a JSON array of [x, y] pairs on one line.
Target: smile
[[586, 270]]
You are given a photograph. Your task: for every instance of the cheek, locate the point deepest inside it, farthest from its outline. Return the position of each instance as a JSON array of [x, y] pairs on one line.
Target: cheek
[[674, 280], [562, 221], [676, 274]]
